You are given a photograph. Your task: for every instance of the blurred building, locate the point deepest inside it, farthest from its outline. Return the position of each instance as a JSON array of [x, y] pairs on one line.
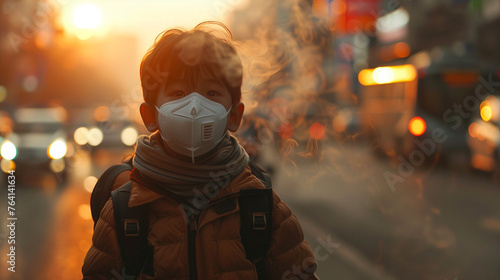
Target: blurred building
[[471, 23], [434, 23], [487, 26]]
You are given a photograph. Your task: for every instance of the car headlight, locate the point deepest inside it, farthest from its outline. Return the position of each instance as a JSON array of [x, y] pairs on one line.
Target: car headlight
[[490, 108], [486, 113], [8, 150], [57, 149], [129, 136]]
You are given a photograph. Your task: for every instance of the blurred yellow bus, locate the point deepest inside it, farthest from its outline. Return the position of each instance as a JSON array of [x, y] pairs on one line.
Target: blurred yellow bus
[[425, 105]]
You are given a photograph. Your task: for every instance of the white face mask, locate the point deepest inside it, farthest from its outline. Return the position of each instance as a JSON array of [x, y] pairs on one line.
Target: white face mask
[[192, 125]]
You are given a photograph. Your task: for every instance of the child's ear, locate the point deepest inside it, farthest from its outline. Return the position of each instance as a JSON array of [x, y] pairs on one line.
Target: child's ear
[[234, 119], [148, 114]]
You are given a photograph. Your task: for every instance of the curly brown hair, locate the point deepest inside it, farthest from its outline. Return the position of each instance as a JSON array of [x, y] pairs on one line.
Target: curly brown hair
[[179, 54]]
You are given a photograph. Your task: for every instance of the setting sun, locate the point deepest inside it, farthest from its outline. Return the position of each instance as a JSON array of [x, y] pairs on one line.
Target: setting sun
[[87, 16]]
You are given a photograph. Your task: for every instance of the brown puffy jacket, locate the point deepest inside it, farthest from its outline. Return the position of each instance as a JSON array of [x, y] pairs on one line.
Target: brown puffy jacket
[[219, 252]]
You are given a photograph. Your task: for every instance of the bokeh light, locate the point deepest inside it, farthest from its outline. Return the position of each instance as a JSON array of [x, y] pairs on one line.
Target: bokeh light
[[481, 133], [486, 113], [57, 149], [317, 131], [285, 130], [383, 75], [129, 136], [387, 74], [80, 135], [8, 150], [7, 165], [401, 50], [101, 113], [89, 183], [6, 124], [95, 136], [57, 165], [473, 127], [417, 126], [84, 211]]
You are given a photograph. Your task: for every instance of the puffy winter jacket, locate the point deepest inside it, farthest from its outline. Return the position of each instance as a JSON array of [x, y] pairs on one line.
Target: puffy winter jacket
[[219, 252]]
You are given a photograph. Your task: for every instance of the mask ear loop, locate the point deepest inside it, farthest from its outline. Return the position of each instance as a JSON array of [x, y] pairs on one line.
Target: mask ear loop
[[228, 110], [158, 111]]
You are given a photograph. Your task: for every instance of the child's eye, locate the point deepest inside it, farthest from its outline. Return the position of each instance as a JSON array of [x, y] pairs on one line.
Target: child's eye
[[212, 93], [177, 93]]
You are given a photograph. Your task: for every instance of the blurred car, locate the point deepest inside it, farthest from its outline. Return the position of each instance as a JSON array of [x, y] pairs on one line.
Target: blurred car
[[109, 134], [406, 104], [484, 136], [37, 143]]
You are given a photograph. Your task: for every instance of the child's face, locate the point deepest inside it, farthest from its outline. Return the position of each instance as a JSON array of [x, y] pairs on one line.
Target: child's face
[[206, 86]]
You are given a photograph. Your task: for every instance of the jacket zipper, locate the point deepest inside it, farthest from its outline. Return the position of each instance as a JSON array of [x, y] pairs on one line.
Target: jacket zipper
[[192, 230]]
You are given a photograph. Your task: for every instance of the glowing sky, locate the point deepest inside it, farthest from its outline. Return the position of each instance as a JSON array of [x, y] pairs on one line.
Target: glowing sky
[[146, 19]]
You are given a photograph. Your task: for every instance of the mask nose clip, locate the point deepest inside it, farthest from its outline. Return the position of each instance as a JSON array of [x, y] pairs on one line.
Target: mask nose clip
[[195, 110]]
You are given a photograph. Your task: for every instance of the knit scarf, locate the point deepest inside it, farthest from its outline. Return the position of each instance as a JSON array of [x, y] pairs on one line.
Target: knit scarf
[[168, 175]]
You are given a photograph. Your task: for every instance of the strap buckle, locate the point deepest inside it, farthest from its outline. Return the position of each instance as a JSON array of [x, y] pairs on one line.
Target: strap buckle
[[131, 227], [259, 221]]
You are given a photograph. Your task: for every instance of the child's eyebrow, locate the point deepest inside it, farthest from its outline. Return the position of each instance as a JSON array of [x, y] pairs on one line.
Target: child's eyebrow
[[209, 82], [212, 81], [177, 82]]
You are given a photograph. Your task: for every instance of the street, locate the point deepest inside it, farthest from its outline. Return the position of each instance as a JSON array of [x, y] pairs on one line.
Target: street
[[438, 224]]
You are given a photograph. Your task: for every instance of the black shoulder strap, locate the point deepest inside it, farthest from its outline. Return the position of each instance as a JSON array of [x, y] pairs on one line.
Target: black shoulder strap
[[102, 189], [261, 174], [132, 228], [256, 220]]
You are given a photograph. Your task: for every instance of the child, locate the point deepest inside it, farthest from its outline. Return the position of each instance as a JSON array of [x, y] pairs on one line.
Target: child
[[191, 172]]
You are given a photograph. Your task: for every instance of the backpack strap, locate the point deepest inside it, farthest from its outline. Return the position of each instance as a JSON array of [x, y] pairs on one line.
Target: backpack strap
[[261, 174], [132, 228], [256, 220], [104, 186]]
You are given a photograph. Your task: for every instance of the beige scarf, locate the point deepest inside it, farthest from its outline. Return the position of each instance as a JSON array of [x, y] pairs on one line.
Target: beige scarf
[[184, 178]]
